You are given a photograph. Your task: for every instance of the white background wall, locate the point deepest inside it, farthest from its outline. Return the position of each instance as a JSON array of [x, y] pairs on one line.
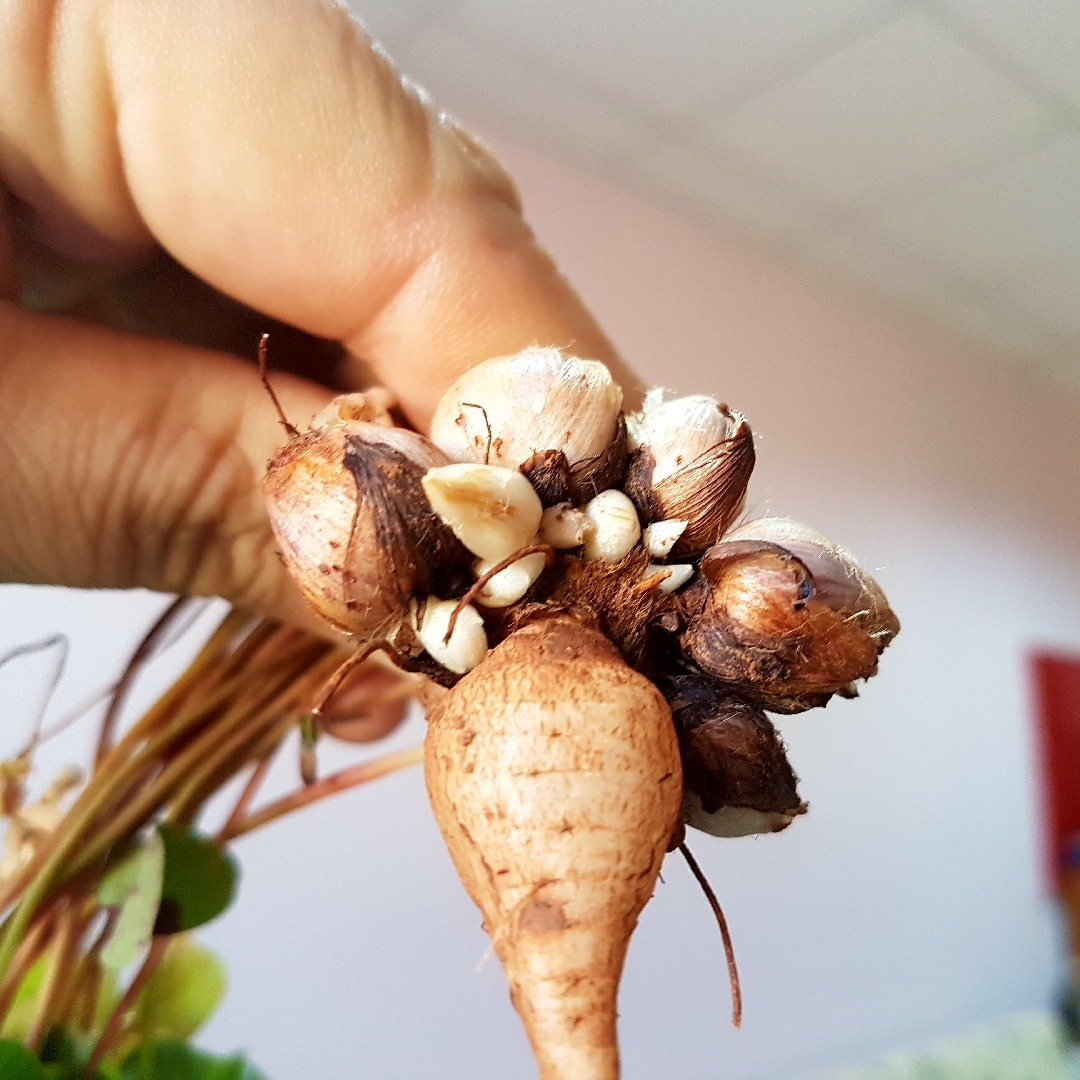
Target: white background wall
[[907, 904]]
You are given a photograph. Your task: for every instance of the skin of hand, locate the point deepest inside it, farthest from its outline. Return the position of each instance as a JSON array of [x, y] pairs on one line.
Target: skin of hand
[[178, 177]]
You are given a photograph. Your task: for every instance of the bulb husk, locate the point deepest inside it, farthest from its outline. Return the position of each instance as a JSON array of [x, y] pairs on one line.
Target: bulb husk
[[691, 461], [353, 525], [787, 618], [736, 775], [556, 417]]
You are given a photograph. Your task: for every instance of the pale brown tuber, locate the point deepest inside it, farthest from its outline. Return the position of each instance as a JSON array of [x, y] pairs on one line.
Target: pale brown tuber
[[507, 560], [553, 771]]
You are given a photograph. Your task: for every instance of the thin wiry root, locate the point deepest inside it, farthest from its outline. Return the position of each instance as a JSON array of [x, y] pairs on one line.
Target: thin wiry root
[[484, 578], [729, 950], [282, 418], [310, 721]]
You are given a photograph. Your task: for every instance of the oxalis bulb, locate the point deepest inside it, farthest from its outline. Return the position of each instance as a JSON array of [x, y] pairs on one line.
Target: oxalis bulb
[[352, 522], [786, 617], [736, 776], [512, 566], [691, 461], [556, 417], [557, 808]]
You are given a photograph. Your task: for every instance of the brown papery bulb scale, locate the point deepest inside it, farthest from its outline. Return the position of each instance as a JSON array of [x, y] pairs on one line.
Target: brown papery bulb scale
[[736, 775], [556, 417], [789, 618], [691, 461], [557, 809], [353, 524]]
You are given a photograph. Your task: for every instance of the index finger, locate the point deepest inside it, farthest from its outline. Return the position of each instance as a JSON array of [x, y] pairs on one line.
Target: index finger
[[273, 151]]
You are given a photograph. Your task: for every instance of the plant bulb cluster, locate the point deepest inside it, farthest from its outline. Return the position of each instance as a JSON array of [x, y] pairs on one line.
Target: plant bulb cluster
[[573, 576]]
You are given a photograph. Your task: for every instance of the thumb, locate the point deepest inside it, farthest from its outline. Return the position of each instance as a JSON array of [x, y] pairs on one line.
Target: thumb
[[272, 150]]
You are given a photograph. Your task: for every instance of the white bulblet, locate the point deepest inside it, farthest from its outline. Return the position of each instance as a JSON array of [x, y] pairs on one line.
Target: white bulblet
[[468, 643], [614, 528], [678, 575], [659, 537], [562, 526], [493, 511], [508, 586]]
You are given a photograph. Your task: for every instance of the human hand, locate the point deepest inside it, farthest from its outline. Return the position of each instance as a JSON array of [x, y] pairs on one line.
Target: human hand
[[269, 150]]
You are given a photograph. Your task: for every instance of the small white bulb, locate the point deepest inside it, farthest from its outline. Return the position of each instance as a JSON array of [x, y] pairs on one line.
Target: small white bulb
[[468, 643], [679, 574], [659, 537], [493, 511], [510, 585], [614, 528], [563, 526]]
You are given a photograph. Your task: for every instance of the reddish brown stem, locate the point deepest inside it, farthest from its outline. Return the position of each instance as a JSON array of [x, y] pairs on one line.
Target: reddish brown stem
[[251, 789], [83, 1001], [210, 742], [474, 589], [729, 949], [204, 674], [111, 1034], [119, 694], [330, 785], [126, 765], [270, 390], [30, 948]]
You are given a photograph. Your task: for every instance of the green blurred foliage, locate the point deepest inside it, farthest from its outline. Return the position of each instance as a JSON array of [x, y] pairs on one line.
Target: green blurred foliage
[[199, 880], [182, 994], [134, 886], [171, 1059]]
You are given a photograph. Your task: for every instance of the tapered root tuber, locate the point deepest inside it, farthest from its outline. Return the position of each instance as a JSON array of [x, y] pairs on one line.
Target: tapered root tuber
[[553, 770]]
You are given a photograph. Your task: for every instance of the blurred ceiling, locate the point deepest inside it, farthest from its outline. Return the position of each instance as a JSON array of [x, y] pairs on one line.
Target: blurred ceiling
[[927, 153]]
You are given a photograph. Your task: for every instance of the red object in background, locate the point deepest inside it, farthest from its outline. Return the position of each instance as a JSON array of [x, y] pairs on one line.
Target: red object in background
[[1057, 696]]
